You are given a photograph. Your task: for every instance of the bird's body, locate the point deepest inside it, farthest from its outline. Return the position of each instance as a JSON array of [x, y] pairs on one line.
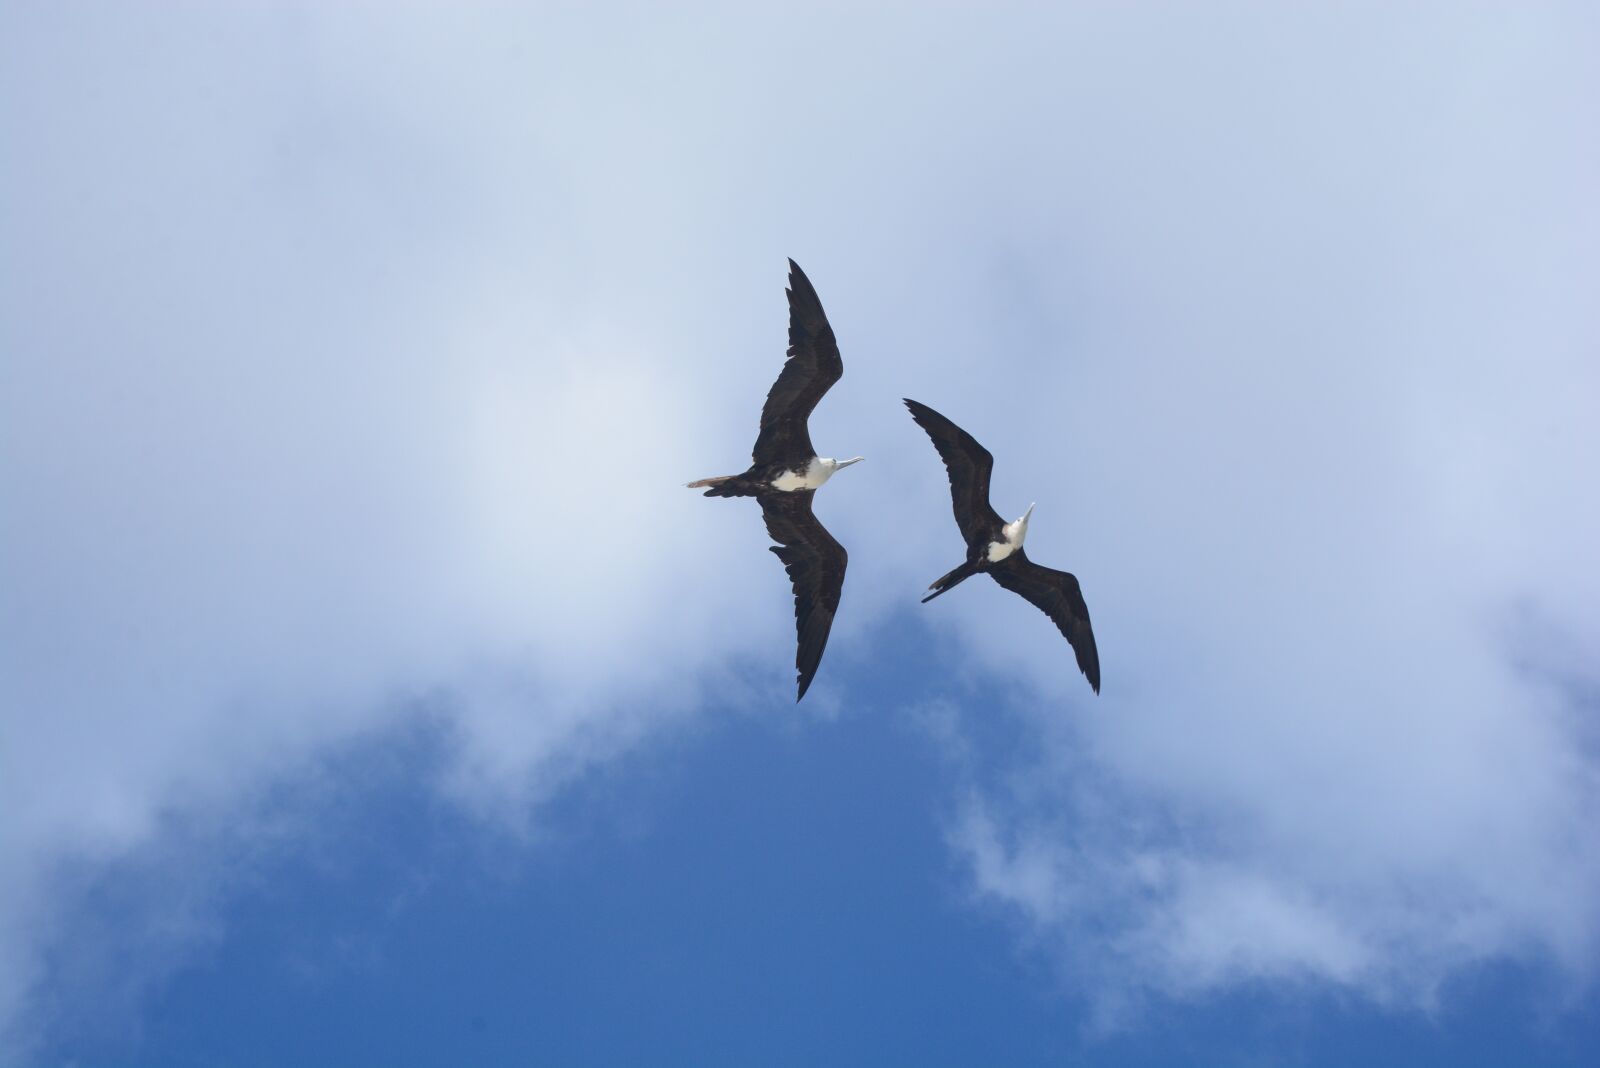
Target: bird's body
[[1009, 541], [785, 472], [778, 476], [994, 547], [809, 477]]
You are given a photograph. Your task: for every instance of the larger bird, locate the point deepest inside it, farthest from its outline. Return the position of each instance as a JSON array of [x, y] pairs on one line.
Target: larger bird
[[994, 547], [785, 472]]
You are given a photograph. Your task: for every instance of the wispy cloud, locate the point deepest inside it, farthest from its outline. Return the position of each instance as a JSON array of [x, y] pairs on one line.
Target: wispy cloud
[[353, 364]]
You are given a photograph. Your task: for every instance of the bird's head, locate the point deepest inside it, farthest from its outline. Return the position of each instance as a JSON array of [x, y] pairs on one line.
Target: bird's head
[[834, 465]]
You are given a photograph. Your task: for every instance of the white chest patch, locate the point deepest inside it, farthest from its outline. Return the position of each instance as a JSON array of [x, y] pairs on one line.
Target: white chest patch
[[1011, 536], [999, 550], [813, 476]]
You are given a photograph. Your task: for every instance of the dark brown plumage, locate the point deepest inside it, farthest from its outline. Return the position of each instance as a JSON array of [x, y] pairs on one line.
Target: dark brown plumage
[[814, 559], [812, 367], [1055, 593], [816, 563]]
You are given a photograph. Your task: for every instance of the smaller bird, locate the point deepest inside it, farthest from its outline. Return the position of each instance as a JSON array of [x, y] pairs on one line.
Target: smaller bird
[[785, 473], [994, 547]]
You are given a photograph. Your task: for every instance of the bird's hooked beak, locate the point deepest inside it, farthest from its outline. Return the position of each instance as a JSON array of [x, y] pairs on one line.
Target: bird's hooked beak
[[1026, 514], [852, 460]]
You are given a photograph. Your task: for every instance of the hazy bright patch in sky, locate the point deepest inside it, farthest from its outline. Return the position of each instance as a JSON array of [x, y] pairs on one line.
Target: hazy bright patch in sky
[[352, 361]]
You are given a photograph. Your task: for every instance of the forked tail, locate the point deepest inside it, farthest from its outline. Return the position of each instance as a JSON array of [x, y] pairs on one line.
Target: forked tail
[[726, 486], [950, 581]]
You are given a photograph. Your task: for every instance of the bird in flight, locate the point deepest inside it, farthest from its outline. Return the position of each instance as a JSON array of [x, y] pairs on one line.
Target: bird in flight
[[785, 472], [994, 547]]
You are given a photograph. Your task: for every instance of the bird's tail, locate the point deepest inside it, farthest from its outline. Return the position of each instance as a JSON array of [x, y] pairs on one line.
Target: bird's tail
[[726, 486], [950, 581]]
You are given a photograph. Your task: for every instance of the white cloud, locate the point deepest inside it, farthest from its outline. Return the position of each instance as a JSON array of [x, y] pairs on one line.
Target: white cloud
[[351, 359]]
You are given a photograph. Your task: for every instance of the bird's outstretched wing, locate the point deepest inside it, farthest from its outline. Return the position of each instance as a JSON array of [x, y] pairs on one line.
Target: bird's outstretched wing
[[969, 465], [1056, 594], [816, 563], [813, 366]]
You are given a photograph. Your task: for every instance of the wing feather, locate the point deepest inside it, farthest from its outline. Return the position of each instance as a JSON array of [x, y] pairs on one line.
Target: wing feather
[[812, 367], [816, 565], [969, 465], [1056, 594]]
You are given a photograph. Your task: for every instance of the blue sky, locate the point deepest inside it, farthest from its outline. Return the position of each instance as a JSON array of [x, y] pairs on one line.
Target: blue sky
[[370, 688]]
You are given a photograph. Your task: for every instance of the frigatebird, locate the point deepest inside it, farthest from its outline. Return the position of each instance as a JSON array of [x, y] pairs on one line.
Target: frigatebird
[[785, 473], [994, 547]]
